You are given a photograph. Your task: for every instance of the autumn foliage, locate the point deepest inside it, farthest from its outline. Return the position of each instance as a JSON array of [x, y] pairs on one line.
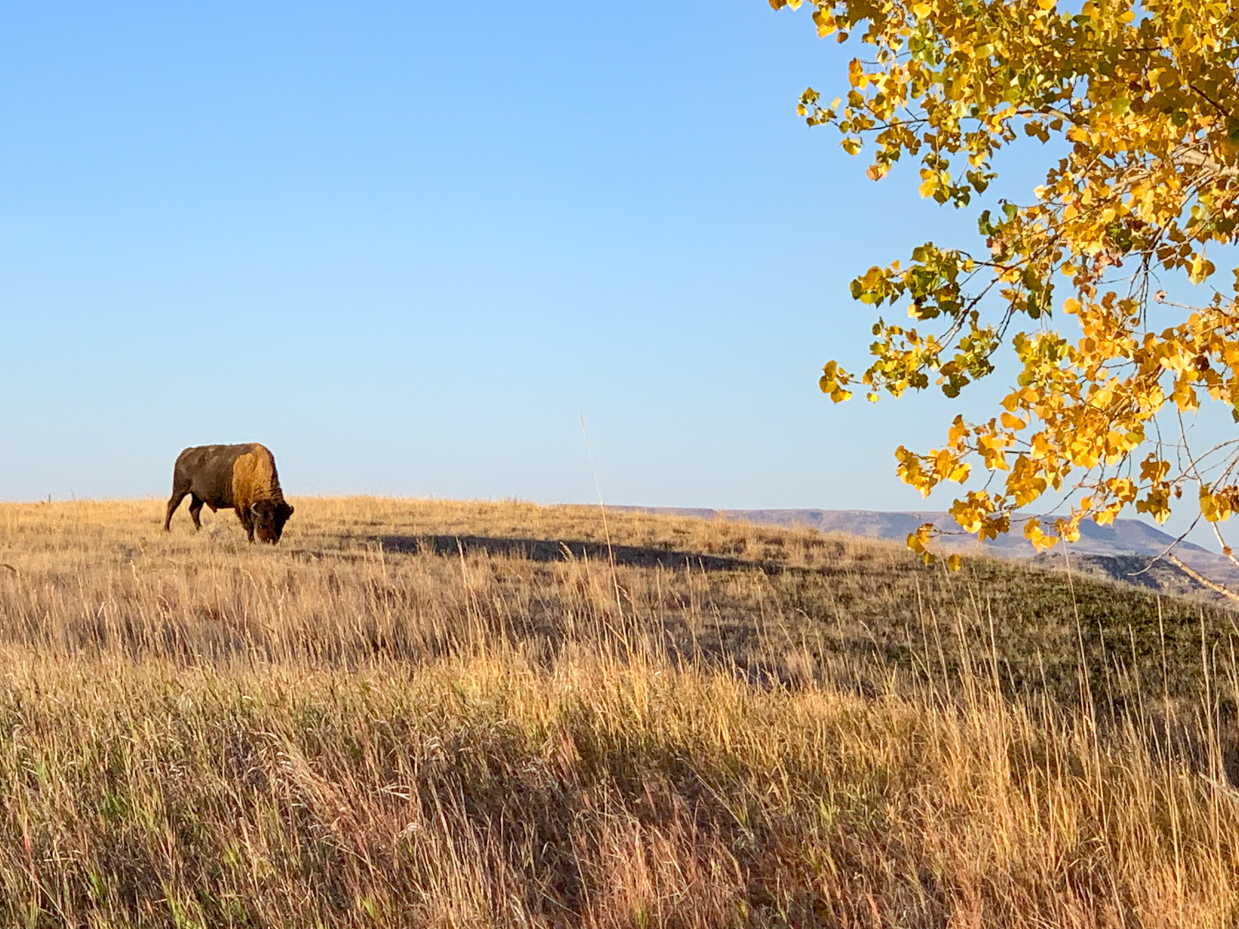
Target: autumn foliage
[[1142, 103]]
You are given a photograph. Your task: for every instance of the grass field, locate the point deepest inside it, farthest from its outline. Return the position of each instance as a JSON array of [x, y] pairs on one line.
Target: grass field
[[431, 713]]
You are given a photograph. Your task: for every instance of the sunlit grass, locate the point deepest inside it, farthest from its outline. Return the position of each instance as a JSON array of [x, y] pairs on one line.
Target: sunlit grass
[[434, 713]]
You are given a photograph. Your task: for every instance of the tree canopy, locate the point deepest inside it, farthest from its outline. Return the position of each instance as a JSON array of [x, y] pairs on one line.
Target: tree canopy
[[1141, 101]]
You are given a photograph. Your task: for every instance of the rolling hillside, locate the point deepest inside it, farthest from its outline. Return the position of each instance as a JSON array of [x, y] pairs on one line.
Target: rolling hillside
[[497, 714], [1122, 551]]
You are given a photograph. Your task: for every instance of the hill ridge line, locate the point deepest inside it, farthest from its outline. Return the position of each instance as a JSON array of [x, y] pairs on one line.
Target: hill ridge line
[[1123, 537]]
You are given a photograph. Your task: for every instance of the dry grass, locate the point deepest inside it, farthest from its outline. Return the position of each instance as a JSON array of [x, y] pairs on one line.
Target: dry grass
[[431, 713]]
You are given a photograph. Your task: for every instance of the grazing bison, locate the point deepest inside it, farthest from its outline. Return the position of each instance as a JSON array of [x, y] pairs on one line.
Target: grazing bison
[[239, 476]]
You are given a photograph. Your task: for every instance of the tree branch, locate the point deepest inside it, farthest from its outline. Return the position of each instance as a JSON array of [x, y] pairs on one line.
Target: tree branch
[[1201, 579], [1197, 159]]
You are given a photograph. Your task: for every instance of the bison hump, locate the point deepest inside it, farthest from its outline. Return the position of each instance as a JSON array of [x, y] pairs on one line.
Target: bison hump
[[254, 477]]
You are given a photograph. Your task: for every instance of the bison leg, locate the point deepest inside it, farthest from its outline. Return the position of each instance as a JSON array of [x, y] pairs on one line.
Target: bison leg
[[195, 507], [177, 496], [247, 520]]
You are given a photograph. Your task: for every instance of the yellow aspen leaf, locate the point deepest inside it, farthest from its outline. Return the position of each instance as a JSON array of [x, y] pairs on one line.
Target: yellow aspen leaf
[[958, 432], [1209, 507], [1199, 269], [1068, 530], [1040, 541], [1106, 515]]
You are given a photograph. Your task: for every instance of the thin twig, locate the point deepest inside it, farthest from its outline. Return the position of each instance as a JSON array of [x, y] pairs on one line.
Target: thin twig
[[1166, 551], [1226, 549]]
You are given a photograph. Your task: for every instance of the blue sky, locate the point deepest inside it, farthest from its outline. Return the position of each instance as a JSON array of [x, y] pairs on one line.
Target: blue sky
[[409, 246]]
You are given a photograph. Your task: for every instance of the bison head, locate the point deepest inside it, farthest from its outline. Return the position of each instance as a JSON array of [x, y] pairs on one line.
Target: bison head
[[269, 519]]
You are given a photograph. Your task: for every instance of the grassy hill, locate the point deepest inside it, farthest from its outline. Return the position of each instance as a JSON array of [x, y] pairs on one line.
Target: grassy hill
[[418, 712], [1130, 550]]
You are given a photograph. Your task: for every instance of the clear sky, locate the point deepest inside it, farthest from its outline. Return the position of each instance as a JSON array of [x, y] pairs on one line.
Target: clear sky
[[409, 245]]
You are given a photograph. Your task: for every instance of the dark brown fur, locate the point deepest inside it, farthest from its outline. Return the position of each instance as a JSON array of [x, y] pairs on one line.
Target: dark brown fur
[[240, 477]]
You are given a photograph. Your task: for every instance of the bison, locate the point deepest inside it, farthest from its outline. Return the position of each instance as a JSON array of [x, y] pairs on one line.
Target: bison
[[239, 476]]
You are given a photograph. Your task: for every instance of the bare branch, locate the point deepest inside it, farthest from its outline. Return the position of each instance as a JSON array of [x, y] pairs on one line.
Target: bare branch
[[1201, 579], [1226, 549], [1166, 552], [1198, 159]]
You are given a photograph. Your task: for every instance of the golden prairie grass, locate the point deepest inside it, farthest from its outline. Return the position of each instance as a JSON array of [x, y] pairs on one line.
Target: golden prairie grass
[[434, 713]]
